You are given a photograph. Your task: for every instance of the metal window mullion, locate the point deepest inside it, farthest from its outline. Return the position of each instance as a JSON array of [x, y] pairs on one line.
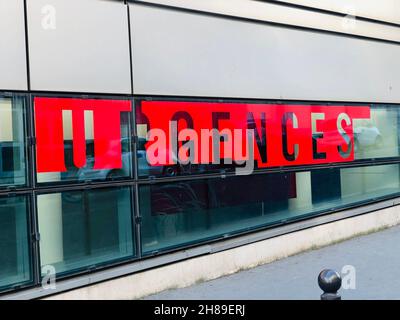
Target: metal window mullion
[[137, 218], [31, 169], [35, 238]]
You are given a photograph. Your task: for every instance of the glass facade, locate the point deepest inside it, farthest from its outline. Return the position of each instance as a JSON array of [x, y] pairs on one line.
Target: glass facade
[[181, 213], [86, 139], [79, 191], [12, 142], [81, 229], [375, 131], [15, 257], [378, 137]]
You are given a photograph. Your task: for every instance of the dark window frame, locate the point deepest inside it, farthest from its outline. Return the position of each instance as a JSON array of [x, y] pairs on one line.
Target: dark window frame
[[25, 154], [102, 265], [65, 183], [30, 245], [224, 173]]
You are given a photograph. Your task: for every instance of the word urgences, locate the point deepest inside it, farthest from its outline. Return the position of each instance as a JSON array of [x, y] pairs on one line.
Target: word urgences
[[271, 134]]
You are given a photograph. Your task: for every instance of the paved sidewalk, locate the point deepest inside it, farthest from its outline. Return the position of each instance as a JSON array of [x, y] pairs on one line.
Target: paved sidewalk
[[376, 258]]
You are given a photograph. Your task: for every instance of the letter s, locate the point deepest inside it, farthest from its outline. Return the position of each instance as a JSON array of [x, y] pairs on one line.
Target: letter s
[[345, 135]]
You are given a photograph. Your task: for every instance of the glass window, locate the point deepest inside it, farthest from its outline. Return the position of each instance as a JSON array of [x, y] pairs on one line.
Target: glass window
[[15, 263], [82, 139], [79, 229], [12, 142], [179, 213], [378, 136], [172, 140]]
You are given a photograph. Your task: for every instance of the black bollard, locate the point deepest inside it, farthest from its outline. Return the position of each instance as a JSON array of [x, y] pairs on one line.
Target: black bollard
[[330, 282]]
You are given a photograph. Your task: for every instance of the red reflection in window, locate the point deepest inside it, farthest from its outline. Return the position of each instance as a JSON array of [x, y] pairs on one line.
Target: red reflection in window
[[106, 132], [285, 134]]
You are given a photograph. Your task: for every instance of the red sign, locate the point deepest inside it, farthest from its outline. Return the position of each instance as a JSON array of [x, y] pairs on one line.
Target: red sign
[[106, 132], [283, 134]]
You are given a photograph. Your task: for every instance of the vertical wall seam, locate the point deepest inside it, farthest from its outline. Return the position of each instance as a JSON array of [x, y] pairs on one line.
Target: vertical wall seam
[[28, 73], [130, 46]]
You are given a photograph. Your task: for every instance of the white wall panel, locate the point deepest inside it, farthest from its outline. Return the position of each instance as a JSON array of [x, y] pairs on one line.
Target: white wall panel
[[79, 45], [180, 53], [384, 10], [13, 73], [278, 12]]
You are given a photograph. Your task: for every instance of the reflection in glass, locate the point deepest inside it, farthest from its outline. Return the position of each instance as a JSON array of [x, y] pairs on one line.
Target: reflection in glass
[[82, 139], [12, 146], [375, 132], [15, 264], [179, 213], [85, 228], [377, 137]]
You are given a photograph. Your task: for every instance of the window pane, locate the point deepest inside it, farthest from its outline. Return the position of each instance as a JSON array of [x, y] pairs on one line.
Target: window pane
[[378, 137], [12, 142], [175, 214], [79, 229], [82, 139], [283, 135], [15, 264]]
